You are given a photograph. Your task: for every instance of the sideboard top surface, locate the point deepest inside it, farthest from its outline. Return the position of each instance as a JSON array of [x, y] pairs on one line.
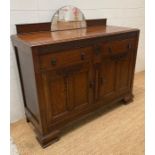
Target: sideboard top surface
[[47, 37]]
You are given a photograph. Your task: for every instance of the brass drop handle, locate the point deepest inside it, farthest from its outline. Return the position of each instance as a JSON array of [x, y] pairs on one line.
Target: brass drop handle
[[83, 56], [53, 61], [91, 84], [129, 46]]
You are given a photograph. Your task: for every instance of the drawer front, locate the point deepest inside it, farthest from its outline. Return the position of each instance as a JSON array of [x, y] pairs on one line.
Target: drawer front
[[117, 47], [64, 58]]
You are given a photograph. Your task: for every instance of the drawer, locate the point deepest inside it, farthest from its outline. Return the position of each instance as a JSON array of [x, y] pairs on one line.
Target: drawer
[[64, 58], [117, 47]]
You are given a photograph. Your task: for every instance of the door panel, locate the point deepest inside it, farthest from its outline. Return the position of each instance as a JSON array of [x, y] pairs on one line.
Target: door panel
[[124, 67], [106, 79], [55, 87], [67, 89], [80, 82], [58, 96]]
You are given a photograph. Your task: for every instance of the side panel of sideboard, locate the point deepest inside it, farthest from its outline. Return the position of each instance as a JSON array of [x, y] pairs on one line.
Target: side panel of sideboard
[[25, 65]]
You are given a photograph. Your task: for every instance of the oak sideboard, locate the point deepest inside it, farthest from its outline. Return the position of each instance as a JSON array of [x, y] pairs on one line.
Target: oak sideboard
[[66, 75]]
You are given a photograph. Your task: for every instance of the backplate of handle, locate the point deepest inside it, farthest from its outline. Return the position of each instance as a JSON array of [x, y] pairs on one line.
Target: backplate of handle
[[129, 46], [119, 56]]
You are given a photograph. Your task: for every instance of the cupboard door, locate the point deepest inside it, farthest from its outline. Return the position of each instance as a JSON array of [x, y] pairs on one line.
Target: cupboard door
[[55, 93], [105, 77], [66, 89], [80, 92], [124, 72]]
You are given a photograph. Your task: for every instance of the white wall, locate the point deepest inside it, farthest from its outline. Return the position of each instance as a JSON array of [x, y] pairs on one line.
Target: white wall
[[128, 13]]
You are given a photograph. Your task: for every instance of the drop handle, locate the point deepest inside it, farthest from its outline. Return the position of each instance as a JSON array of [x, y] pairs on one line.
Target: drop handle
[[83, 56], [91, 84], [53, 61], [129, 46]]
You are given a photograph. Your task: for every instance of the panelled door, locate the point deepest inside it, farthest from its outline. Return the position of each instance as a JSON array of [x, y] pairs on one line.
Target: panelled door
[[67, 90], [124, 72], [114, 69], [105, 79]]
